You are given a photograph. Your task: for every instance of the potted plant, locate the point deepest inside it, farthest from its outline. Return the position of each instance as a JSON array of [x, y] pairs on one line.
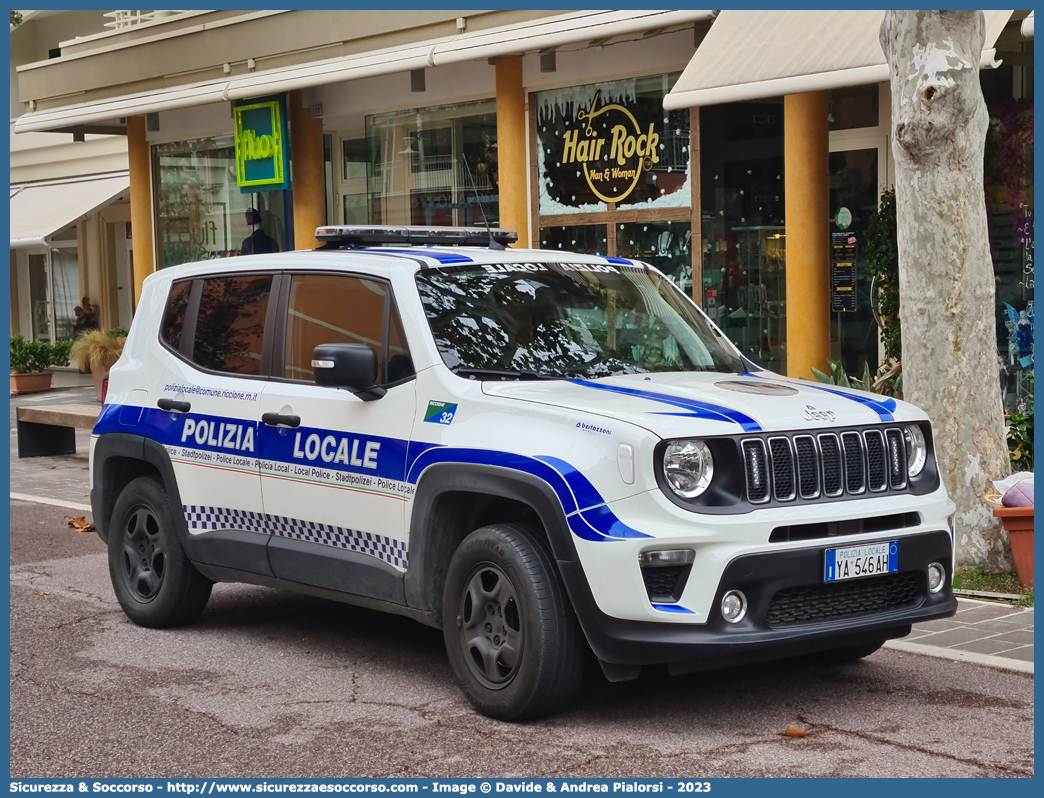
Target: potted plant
[[1018, 523], [30, 361], [98, 350]]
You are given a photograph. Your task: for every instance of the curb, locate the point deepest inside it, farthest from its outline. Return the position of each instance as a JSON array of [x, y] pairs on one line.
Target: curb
[[987, 660]]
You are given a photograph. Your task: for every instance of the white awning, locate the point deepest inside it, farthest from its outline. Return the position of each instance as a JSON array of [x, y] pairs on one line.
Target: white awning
[[749, 55], [1027, 27], [549, 32], [39, 210]]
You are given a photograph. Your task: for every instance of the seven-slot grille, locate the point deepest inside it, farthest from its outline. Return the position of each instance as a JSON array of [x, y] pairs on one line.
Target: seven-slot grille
[[853, 462]]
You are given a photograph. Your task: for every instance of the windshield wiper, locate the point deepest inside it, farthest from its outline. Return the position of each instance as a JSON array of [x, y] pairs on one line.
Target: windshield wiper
[[518, 374]]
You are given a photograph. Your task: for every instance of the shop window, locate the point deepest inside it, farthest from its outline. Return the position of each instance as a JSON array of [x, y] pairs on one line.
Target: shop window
[[433, 165], [38, 298], [65, 285], [853, 186], [1009, 188], [744, 238], [665, 245], [230, 326], [200, 211], [855, 107], [611, 144], [333, 309], [587, 239]]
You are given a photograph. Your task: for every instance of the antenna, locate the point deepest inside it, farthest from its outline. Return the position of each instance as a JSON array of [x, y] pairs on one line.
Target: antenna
[[493, 243]]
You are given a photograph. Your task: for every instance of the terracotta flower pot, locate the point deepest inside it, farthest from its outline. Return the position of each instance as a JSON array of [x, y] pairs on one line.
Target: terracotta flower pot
[[98, 369], [31, 383], [1018, 521]]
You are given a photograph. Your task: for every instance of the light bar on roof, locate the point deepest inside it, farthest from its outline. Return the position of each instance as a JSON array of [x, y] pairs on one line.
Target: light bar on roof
[[376, 235]]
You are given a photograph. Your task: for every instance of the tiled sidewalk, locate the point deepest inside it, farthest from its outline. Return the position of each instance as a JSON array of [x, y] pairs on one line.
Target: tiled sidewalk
[[982, 628]]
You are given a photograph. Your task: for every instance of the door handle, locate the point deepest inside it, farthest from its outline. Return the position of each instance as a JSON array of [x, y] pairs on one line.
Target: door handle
[[277, 419], [173, 405]]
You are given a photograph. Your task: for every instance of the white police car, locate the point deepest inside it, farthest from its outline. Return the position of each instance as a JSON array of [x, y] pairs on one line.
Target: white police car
[[539, 452]]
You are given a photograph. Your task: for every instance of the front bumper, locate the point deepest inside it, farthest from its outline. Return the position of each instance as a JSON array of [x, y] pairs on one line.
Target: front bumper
[[819, 617]]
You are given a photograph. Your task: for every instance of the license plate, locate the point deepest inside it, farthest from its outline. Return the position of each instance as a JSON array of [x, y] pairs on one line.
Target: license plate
[[857, 562]]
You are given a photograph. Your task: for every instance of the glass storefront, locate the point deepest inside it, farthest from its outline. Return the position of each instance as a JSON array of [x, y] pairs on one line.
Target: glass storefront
[[65, 286], [854, 186], [200, 211], [665, 245], [610, 149], [612, 144], [1008, 91], [743, 233], [425, 166], [54, 286]]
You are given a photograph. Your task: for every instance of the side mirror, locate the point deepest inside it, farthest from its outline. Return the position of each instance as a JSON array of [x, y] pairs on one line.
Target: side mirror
[[349, 366]]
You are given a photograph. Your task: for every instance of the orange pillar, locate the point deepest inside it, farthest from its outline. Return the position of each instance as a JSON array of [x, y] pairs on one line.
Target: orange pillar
[[511, 146], [140, 202], [806, 155], [308, 178]]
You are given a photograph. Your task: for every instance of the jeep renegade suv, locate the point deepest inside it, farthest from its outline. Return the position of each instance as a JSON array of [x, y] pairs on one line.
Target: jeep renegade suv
[[538, 452]]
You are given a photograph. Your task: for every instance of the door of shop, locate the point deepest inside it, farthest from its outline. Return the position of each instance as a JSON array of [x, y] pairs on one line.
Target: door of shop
[[858, 175]]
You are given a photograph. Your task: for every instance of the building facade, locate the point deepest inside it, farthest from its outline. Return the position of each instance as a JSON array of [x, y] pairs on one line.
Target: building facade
[[618, 133], [70, 207]]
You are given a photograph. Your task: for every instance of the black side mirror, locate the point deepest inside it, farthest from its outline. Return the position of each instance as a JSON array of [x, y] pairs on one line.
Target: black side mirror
[[349, 366]]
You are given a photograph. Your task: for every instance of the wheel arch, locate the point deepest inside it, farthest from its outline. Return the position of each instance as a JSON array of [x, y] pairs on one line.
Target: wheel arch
[[120, 458], [454, 499]]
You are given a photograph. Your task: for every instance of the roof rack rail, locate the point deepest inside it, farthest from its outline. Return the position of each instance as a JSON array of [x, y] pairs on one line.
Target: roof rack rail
[[336, 236]]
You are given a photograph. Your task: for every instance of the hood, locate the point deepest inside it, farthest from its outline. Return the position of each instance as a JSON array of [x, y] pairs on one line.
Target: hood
[[678, 404]]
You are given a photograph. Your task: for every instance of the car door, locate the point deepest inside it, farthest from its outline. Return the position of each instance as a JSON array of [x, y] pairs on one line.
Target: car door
[[207, 415], [332, 464]]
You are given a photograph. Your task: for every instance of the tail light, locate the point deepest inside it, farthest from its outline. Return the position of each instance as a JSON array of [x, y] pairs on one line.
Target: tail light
[[105, 386]]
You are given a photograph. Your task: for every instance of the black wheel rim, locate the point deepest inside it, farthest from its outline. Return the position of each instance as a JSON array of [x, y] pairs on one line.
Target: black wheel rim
[[490, 624], [144, 558]]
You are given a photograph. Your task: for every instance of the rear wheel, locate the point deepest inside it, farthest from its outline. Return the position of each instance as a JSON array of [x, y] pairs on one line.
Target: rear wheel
[[512, 639], [153, 580]]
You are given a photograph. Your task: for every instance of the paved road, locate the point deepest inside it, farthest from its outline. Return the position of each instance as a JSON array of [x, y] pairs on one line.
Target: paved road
[[271, 684]]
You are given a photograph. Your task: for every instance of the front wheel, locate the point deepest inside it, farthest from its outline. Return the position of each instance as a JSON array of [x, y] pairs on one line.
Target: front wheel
[[513, 641], [153, 580]]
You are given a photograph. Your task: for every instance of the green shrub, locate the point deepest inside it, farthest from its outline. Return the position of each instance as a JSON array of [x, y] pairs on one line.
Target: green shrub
[[31, 357]]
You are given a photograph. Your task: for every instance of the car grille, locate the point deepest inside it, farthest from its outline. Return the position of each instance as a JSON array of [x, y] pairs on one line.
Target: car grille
[[817, 603], [831, 465]]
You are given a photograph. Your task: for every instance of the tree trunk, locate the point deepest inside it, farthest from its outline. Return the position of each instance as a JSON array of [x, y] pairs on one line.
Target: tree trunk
[[950, 366]]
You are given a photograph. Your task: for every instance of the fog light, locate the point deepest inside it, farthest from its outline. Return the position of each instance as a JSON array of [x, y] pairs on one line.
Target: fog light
[[733, 606], [936, 577], [660, 559]]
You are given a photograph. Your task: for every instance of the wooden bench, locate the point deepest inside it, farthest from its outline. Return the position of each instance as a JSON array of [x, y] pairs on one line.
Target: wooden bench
[[51, 430]]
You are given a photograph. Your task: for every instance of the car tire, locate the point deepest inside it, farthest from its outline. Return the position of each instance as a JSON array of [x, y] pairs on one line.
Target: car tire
[[525, 658], [154, 582]]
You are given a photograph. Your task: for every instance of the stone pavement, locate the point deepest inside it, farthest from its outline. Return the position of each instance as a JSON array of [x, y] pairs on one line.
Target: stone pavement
[[991, 634], [986, 632]]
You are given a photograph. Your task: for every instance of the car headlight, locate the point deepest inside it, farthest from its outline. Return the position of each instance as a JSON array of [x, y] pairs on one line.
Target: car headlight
[[916, 449], [688, 467]]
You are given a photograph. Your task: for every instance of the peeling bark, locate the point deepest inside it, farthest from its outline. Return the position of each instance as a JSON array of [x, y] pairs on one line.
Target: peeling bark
[[939, 123]]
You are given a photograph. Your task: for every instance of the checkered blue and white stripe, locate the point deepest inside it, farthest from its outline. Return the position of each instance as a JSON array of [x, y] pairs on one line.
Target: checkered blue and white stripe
[[205, 518]]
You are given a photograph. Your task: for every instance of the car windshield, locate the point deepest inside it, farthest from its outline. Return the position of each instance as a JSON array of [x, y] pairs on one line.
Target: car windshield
[[566, 320]]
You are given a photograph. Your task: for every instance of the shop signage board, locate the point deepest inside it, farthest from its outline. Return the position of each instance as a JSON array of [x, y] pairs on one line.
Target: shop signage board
[[612, 144], [262, 144], [843, 251]]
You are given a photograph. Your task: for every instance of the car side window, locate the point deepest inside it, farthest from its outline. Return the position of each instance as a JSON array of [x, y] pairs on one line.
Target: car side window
[[230, 326], [338, 309], [174, 314]]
